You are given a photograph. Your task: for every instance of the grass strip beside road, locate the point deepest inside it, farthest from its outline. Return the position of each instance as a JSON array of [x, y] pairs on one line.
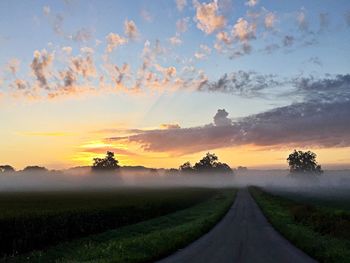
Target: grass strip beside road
[[143, 242], [320, 232]]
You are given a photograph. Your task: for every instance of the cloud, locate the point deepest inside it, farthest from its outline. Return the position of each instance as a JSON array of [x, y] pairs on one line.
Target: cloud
[[302, 21], [324, 20], [84, 64], [40, 67], [288, 41], [246, 84], [325, 89], [147, 16], [69, 77], [82, 35], [168, 126], [224, 37], [271, 48], [244, 31], [242, 50], [46, 10], [316, 61], [13, 65], [220, 118], [115, 149], [175, 40], [203, 52], [182, 25], [120, 74], [252, 3], [249, 84], [20, 84], [130, 29], [181, 4], [309, 124], [114, 41], [208, 19], [57, 24], [67, 49], [270, 20]]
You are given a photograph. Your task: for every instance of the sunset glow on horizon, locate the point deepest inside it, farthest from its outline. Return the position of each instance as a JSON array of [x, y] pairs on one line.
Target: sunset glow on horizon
[[160, 83]]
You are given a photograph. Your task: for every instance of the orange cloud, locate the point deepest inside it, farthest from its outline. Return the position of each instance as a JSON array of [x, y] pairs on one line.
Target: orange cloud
[[208, 18], [130, 29], [114, 40]]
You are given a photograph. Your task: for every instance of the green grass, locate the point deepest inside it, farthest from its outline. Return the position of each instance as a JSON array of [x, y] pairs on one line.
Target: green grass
[[37, 220], [142, 242], [332, 198], [321, 232]]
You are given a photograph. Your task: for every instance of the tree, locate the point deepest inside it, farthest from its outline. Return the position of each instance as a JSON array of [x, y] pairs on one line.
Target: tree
[[6, 168], [210, 164], [207, 163], [35, 168], [186, 168], [303, 162], [109, 163]]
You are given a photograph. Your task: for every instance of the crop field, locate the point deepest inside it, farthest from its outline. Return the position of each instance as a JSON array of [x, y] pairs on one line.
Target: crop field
[[35, 220], [319, 229], [336, 198]]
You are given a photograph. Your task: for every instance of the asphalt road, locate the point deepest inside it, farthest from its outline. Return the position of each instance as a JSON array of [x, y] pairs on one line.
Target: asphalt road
[[243, 235]]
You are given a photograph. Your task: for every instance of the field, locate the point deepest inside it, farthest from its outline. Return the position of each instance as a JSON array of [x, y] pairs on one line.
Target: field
[[43, 221], [330, 197], [319, 229]]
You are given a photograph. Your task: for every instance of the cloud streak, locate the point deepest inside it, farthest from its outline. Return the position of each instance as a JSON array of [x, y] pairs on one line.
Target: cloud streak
[[298, 125]]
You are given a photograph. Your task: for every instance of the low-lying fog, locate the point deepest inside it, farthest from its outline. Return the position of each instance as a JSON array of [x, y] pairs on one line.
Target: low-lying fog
[[334, 181]]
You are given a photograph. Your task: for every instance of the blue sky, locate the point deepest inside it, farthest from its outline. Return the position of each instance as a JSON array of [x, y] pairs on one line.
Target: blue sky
[[140, 64]]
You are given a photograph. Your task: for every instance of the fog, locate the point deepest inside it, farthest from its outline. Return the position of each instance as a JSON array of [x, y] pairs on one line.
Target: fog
[[80, 179]]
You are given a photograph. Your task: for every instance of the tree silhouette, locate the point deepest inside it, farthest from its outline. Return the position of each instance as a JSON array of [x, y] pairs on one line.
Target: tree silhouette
[[303, 162], [6, 168], [186, 168], [208, 164], [109, 163], [35, 168]]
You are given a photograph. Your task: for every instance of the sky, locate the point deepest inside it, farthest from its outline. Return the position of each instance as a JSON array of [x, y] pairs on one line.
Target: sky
[[163, 82]]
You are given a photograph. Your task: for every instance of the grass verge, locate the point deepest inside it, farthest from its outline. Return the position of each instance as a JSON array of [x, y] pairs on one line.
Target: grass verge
[[320, 232], [143, 242]]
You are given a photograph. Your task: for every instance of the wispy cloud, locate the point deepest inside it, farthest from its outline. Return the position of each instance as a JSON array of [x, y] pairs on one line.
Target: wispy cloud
[[252, 3], [181, 4], [270, 20], [302, 20], [46, 134], [131, 30], [114, 40], [41, 67], [146, 15]]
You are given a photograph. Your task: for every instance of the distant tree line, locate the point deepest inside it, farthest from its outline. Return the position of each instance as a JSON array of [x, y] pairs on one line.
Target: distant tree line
[[6, 169], [299, 163]]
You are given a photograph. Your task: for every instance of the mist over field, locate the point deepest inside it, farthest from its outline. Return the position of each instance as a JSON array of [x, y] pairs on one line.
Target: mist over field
[[336, 181]]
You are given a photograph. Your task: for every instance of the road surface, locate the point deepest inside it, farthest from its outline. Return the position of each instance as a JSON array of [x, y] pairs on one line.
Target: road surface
[[243, 235]]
